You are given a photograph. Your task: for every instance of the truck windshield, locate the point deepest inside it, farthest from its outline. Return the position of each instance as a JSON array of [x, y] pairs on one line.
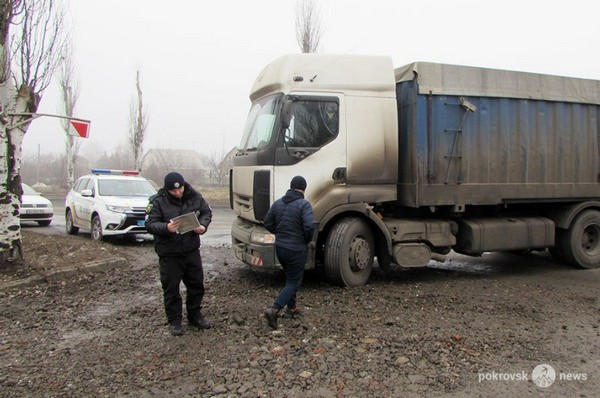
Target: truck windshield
[[124, 187], [260, 121]]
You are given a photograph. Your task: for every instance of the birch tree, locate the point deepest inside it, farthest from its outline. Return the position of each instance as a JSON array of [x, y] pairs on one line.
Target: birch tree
[[308, 26], [31, 40], [138, 122], [69, 91]]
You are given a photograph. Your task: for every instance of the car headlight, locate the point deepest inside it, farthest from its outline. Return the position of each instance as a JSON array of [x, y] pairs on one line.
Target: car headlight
[[262, 237], [119, 209]]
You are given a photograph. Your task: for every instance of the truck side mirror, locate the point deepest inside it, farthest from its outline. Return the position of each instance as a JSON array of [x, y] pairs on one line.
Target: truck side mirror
[[286, 113]]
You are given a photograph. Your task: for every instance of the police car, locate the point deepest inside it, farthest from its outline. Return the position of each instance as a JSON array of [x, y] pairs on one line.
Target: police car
[[108, 203]]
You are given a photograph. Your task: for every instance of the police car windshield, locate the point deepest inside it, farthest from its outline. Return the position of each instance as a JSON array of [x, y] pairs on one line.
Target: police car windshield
[[123, 187]]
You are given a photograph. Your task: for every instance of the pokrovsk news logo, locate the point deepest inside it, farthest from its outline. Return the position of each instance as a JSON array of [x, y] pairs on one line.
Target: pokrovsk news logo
[[543, 376]]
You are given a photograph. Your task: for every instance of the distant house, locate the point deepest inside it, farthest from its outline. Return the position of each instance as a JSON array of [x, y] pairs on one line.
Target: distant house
[[194, 166]]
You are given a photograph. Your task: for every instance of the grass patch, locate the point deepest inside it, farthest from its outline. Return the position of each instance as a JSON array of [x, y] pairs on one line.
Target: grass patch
[[215, 196]]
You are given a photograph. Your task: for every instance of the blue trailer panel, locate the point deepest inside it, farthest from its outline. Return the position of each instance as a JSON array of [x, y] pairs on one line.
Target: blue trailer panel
[[484, 150]]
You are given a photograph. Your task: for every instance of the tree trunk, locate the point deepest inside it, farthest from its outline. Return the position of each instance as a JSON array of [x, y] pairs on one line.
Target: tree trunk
[[70, 161], [38, 45], [10, 180]]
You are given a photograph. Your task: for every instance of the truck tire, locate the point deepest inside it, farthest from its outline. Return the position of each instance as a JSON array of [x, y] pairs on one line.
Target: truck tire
[[69, 226], [96, 230], [581, 243], [349, 252]]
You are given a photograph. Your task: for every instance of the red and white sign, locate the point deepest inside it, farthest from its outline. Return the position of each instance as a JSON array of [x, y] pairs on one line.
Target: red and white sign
[[82, 128]]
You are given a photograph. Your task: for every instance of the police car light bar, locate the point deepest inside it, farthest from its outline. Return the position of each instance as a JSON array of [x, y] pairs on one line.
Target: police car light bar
[[116, 172]]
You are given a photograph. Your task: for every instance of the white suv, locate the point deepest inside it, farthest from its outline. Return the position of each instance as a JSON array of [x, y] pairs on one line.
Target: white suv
[[108, 203]]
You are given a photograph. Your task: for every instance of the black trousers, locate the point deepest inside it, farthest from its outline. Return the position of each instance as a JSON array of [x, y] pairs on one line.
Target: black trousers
[[186, 268]]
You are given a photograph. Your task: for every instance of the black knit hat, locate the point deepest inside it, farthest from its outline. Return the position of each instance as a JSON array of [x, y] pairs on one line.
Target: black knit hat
[[173, 180], [298, 182]]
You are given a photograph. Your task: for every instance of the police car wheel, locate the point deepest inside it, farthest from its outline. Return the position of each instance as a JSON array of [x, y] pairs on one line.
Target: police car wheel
[[96, 232], [71, 228]]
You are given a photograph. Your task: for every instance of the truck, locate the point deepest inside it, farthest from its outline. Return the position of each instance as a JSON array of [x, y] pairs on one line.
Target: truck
[[405, 165]]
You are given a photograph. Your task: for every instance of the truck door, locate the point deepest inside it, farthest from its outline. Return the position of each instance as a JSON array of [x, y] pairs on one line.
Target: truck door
[[313, 146]]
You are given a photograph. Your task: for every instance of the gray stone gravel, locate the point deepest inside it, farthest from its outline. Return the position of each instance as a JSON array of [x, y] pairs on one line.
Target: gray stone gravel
[[426, 332]]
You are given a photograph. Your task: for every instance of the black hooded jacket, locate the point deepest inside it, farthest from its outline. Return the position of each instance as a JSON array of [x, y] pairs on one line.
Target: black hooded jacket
[[291, 220], [163, 207]]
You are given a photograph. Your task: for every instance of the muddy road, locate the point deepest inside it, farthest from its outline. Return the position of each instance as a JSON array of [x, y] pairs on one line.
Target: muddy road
[[468, 327]]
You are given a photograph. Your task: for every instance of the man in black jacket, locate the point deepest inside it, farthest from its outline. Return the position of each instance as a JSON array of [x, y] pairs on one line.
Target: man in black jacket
[[179, 254], [291, 220]]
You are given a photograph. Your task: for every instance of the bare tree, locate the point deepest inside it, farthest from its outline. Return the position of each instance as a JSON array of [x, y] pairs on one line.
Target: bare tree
[[219, 164], [50, 169], [308, 26], [138, 122], [34, 49], [70, 94]]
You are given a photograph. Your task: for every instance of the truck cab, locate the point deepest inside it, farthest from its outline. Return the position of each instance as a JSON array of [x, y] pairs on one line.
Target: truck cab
[[304, 120]]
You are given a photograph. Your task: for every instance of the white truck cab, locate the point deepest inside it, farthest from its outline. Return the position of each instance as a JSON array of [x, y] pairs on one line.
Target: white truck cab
[[332, 100], [108, 203]]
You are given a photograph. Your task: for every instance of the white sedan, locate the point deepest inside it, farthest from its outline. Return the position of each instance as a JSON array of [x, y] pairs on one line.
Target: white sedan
[[34, 207]]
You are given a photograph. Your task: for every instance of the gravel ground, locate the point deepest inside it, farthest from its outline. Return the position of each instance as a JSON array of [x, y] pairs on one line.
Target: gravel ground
[[426, 332]]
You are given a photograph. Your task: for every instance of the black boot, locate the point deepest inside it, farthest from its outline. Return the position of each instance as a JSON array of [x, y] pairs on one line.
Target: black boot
[[291, 313], [271, 316], [176, 329], [200, 322]]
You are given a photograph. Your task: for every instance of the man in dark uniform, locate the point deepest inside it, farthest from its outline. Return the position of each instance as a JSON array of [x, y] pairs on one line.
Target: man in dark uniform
[[179, 254], [291, 220]]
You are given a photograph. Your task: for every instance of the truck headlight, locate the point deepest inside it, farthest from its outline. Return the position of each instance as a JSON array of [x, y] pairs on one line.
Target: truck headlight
[[119, 209], [262, 237]]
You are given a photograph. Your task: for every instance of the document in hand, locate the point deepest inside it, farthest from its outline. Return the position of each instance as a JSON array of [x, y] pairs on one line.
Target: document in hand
[[187, 222]]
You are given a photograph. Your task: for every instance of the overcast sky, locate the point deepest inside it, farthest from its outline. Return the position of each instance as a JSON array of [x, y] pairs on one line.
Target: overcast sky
[[198, 59]]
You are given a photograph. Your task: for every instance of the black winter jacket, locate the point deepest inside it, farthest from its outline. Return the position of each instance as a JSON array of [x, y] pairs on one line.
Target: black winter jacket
[[291, 219], [162, 208]]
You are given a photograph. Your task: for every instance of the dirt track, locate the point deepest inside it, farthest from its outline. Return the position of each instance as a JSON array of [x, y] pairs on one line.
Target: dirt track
[[433, 331]]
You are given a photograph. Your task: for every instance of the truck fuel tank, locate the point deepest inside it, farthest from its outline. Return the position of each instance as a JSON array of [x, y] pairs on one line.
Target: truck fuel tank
[[478, 235]]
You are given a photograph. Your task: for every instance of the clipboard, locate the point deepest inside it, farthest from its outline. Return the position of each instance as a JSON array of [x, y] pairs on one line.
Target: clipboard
[[187, 222]]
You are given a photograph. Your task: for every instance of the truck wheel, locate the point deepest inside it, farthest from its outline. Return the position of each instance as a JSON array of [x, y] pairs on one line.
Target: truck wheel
[[582, 246], [71, 229], [349, 252], [96, 232]]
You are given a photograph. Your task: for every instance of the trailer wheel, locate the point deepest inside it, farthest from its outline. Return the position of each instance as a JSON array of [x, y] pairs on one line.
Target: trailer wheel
[[349, 252], [582, 244]]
